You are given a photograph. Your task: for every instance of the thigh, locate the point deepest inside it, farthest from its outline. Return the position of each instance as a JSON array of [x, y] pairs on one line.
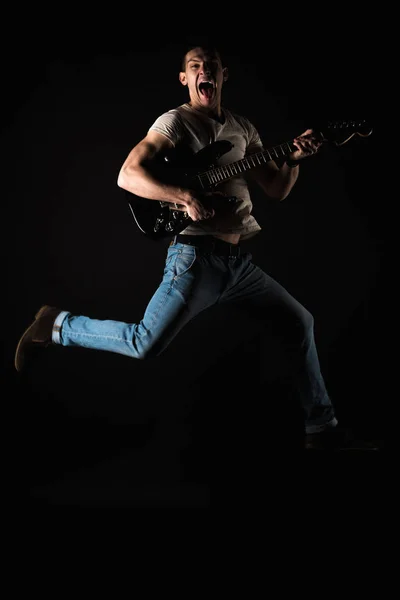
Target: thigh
[[265, 298], [181, 294]]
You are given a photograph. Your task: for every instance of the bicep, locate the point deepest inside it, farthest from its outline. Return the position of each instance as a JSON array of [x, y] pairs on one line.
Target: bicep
[[147, 150]]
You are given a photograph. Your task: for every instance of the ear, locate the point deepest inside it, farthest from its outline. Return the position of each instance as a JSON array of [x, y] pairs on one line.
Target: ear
[[225, 73], [182, 78]]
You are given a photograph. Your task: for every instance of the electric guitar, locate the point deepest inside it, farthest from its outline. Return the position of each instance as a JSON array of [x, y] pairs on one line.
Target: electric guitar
[[199, 171]]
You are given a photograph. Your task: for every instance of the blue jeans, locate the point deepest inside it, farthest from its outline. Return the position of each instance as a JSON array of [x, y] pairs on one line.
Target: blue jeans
[[193, 281]]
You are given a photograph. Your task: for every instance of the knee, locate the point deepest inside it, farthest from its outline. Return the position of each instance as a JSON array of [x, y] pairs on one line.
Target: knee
[[146, 354], [307, 320], [307, 325], [302, 328], [148, 351]]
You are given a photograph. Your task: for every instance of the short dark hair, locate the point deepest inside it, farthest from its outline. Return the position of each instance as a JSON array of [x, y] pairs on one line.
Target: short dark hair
[[204, 45]]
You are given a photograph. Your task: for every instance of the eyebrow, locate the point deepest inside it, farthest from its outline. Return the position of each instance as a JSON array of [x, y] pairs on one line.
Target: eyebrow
[[198, 58]]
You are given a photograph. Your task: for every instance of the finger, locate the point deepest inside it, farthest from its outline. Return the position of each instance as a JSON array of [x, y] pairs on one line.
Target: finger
[[179, 207], [306, 146]]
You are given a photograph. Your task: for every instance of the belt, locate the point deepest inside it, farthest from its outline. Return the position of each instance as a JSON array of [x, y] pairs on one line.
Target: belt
[[208, 244]]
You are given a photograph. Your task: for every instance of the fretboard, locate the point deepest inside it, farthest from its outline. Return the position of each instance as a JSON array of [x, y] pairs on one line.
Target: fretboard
[[224, 172]]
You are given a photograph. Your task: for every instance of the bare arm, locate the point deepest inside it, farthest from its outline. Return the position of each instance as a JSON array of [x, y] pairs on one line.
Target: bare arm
[[278, 182], [138, 177]]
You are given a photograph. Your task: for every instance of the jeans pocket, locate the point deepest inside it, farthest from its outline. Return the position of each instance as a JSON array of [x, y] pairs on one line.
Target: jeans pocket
[[184, 261], [170, 260]]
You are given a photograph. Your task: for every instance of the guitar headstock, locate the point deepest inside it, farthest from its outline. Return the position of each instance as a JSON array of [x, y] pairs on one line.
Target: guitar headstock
[[340, 132]]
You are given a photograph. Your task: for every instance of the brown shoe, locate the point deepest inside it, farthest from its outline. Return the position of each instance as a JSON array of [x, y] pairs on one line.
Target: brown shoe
[[38, 333]]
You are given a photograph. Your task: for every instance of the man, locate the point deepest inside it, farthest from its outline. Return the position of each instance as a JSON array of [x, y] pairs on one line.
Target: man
[[205, 263]]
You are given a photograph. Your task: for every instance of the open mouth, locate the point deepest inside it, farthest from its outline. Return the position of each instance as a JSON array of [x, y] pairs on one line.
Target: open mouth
[[206, 89]]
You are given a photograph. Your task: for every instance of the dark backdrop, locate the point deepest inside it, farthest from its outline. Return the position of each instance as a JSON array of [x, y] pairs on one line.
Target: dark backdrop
[[72, 112]]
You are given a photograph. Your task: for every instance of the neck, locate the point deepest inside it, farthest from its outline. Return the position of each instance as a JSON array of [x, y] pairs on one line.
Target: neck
[[212, 112]]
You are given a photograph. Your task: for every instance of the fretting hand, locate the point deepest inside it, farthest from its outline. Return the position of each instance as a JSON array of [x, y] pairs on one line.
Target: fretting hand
[[308, 143]]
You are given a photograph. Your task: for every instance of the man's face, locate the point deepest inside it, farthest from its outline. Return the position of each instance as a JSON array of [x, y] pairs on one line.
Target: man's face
[[204, 77]]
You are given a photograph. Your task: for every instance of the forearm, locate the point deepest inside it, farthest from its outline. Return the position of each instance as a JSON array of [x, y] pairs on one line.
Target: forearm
[[143, 183], [282, 182]]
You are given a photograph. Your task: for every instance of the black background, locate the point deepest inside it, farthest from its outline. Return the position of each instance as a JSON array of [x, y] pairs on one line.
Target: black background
[[99, 428]]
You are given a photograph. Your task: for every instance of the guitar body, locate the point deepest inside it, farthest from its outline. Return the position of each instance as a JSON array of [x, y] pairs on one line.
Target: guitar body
[[157, 219]]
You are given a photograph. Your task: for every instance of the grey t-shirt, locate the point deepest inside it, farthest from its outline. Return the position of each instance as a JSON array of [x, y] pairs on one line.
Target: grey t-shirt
[[189, 127]]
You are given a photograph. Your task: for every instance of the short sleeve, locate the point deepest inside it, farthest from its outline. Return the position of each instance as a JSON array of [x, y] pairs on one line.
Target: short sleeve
[[170, 125], [254, 141]]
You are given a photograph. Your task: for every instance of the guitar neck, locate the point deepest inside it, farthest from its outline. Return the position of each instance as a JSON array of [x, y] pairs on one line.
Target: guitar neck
[[223, 172]]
